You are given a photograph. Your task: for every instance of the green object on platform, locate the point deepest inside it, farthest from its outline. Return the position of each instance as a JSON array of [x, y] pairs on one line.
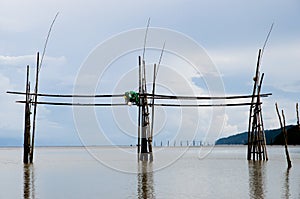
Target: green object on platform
[[132, 97]]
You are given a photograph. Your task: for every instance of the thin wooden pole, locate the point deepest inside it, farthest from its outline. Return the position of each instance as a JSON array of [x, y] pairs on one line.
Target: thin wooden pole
[[259, 127], [286, 142], [297, 111], [282, 125], [35, 106], [262, 135], [27, 122], [139, 116], [152, 118], [145, 118], [144, 77]]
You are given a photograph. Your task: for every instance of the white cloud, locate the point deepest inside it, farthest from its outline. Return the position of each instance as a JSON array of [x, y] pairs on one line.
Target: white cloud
[[11, 114], [24, 60], [16, 60]]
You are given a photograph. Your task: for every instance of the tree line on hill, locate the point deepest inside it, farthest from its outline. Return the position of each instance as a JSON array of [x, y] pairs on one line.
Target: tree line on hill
[[273, 137]]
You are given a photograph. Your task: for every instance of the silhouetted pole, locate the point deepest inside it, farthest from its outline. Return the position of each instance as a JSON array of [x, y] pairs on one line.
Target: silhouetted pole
[[152, 117], [27, 122], [139, 117], [286, 142], [297, 111], [250, 132], [284, 132], [35, 105]]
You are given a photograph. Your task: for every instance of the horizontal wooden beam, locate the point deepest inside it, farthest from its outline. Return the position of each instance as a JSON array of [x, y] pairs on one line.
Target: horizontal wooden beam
[[110, 104], [73, 104], [204, 105], [150, 96], [66, 95], [156, 96]]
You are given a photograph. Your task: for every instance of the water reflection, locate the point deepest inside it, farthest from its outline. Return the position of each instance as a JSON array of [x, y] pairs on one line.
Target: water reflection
[[145, 185], [286, 184], [257, 171], [28, 181]]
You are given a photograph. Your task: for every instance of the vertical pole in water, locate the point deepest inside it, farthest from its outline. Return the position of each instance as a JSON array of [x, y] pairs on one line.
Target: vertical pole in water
[[152, 118], [144, 131], [262, 135], [27, 121], [35, 106], [297, 111], [286, 143], [283, 130], [139, 116], [144, 150], [144, 112]]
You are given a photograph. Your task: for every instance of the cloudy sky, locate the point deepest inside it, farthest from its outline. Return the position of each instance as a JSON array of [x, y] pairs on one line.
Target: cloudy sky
[[229, 32]]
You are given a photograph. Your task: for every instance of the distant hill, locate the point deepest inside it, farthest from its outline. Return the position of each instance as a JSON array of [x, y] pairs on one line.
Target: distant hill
[[293, 137], [273, 136]]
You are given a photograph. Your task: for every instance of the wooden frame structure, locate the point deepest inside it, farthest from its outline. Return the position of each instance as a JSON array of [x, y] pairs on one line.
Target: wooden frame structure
[[256, 139], [256, 134]]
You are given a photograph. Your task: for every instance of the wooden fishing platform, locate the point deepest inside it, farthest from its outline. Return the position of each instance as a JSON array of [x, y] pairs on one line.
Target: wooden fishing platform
[[146, 102]]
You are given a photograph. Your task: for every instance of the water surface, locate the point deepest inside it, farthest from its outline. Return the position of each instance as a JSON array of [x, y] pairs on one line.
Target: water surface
[[72, 172]]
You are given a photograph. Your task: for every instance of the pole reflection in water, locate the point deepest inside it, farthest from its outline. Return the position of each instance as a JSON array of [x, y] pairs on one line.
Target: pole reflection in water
[[286, 186], [257, 179], [145, 185], [28, 181]]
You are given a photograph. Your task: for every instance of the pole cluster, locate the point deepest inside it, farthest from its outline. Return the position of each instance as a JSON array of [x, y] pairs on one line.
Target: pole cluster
[[30, 99], [256, 135], [145, 134]]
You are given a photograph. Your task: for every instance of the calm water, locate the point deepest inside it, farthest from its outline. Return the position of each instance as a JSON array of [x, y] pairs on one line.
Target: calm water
[[78, 173]]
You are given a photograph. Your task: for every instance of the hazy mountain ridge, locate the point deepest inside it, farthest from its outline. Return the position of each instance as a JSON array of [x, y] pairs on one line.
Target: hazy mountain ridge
[[273, 136]]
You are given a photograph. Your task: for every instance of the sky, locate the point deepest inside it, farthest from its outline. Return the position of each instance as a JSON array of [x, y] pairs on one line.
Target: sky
[[228, 34]]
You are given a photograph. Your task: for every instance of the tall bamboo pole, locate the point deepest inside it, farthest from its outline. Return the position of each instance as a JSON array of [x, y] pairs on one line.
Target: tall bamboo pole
[[139, 116], [144, 149], [35, 106], [297, 111], [286, 142], [27, 121], [262, 135], [152, 118], [283, 129]]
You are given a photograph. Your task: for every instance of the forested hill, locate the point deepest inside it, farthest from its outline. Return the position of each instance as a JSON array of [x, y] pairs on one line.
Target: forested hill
[[273, 136]]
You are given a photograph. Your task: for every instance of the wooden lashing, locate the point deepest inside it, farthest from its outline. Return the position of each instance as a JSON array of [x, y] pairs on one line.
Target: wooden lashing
[[256, 135], [27, 140]]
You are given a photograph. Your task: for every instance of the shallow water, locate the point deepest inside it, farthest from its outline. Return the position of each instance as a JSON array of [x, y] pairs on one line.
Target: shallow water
[[75, 172]]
